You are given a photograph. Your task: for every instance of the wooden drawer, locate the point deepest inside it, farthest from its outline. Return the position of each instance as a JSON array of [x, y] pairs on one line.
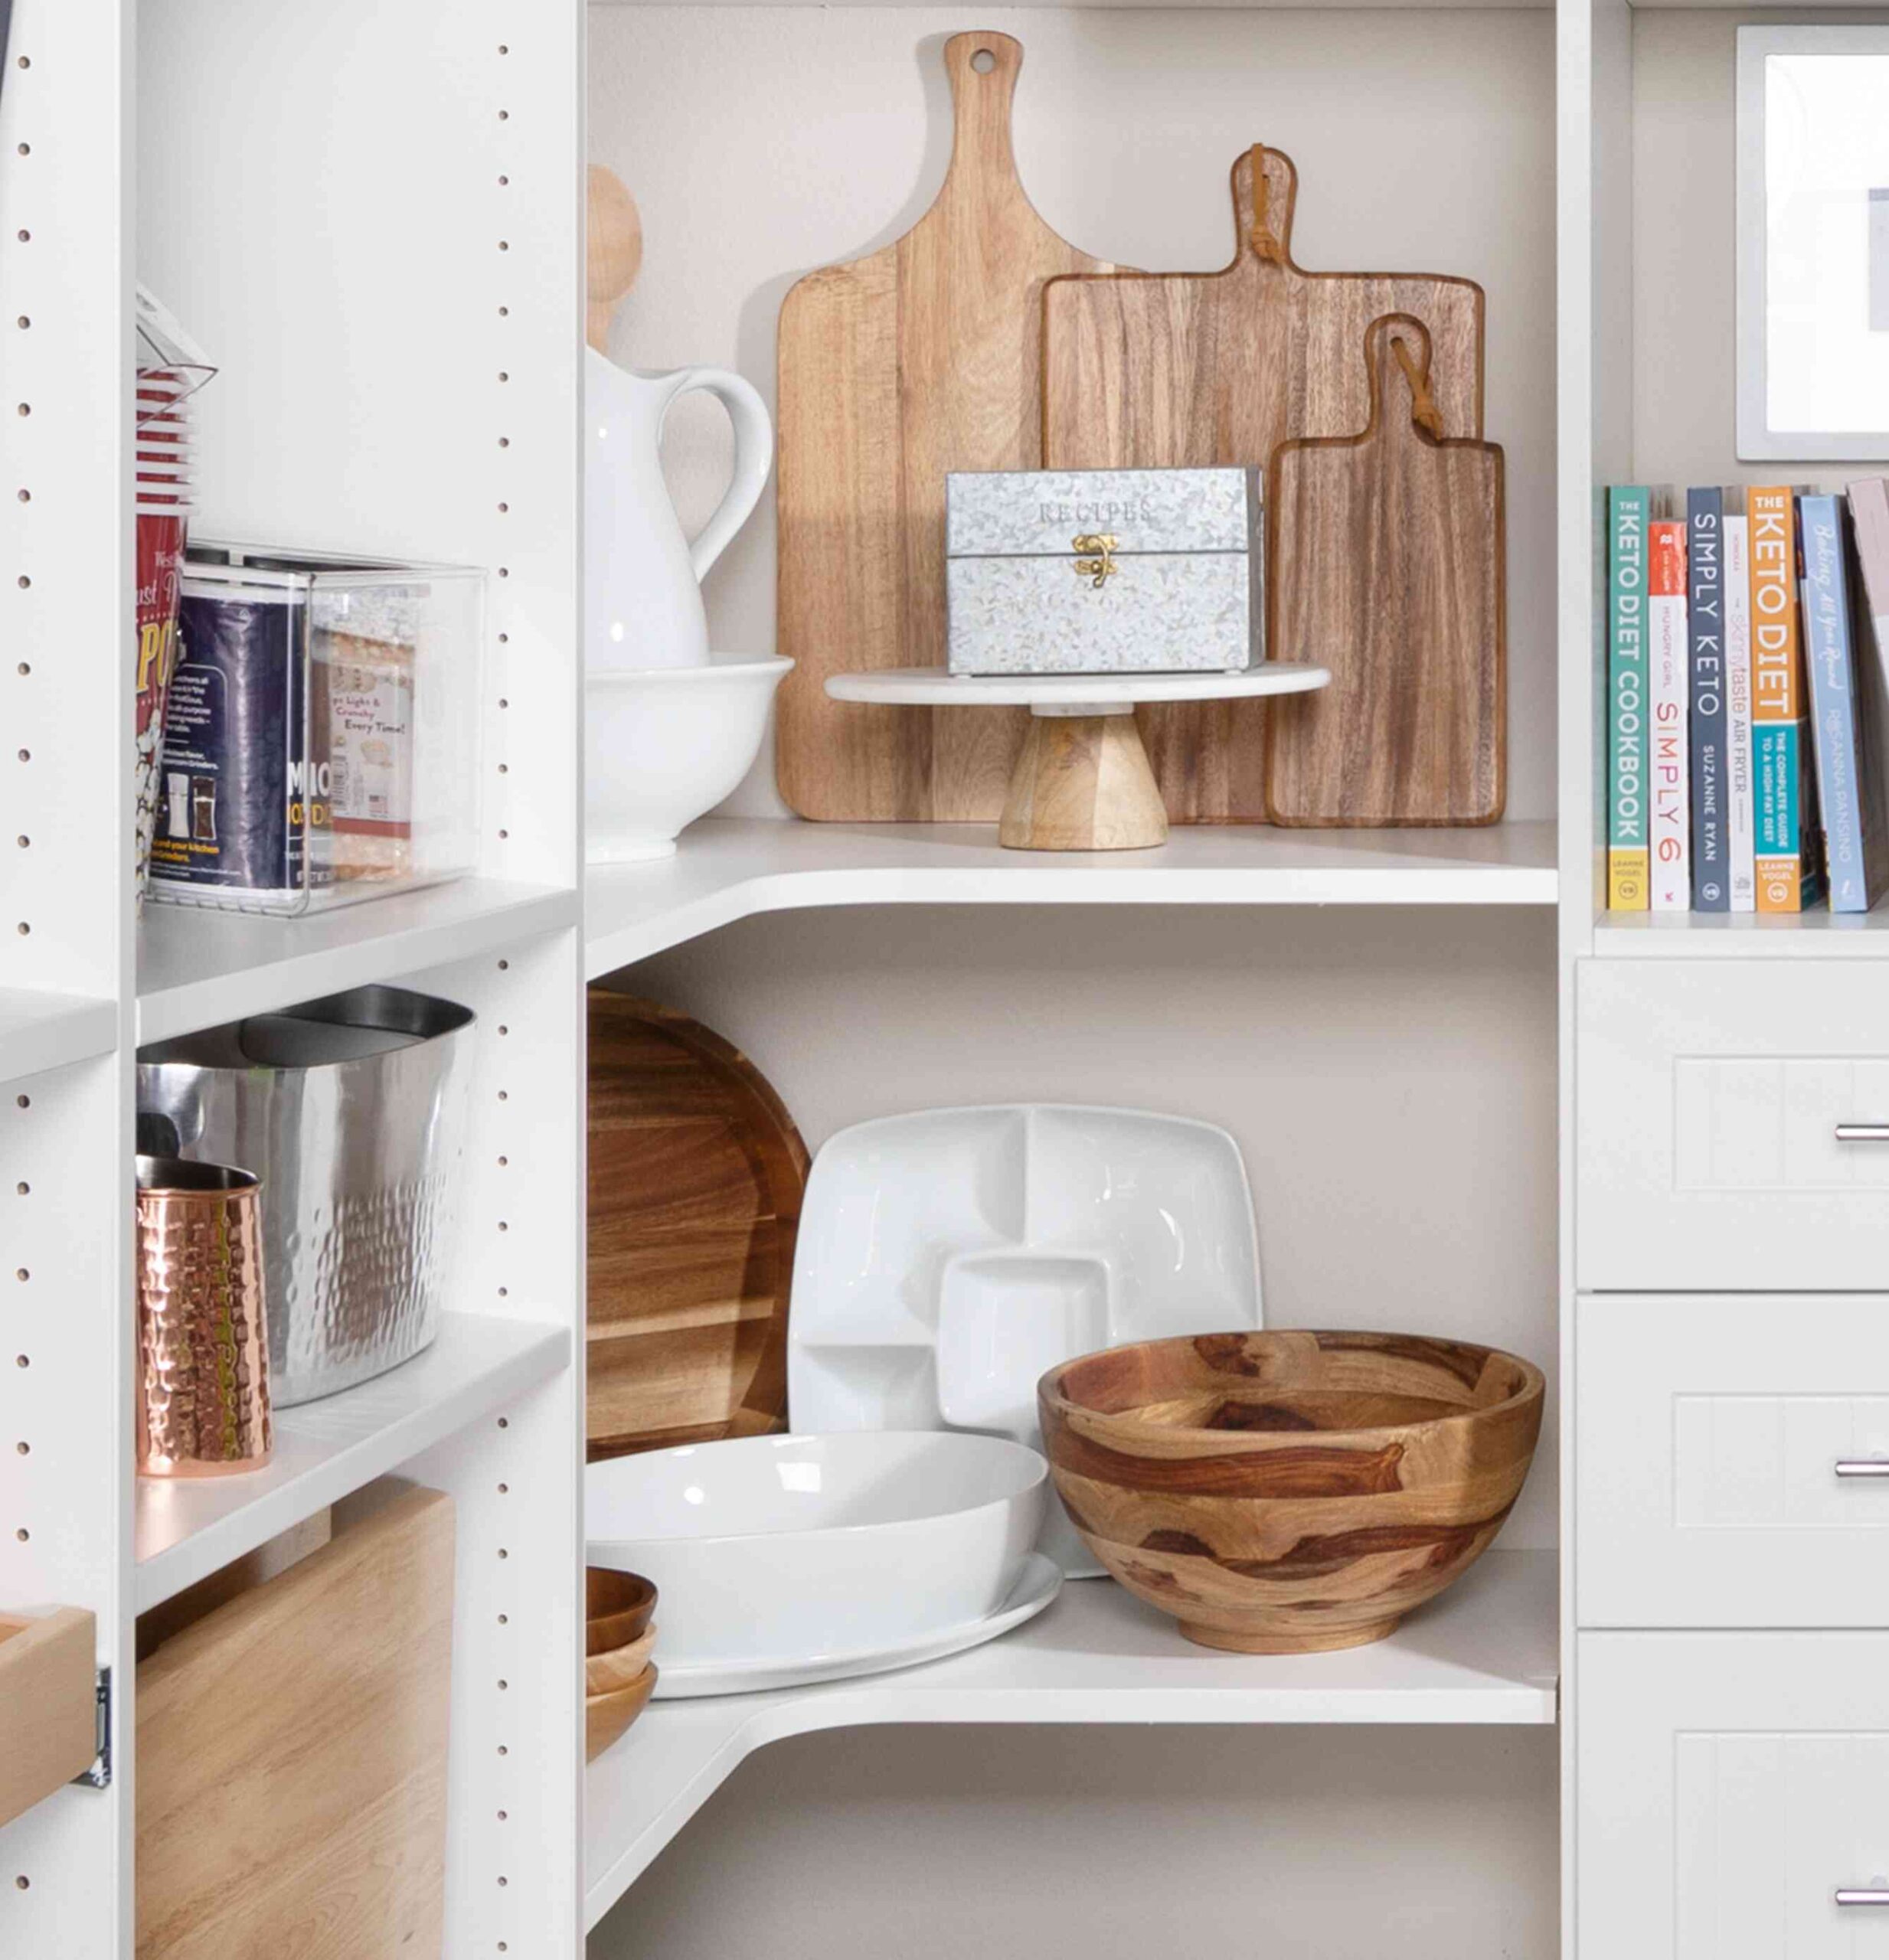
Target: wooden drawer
[[1730, 1784], [1708, 1094], [1709, 1434], [48, 1704]]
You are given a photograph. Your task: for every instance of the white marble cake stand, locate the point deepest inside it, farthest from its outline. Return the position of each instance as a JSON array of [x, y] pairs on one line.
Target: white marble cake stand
[[1082, 781]]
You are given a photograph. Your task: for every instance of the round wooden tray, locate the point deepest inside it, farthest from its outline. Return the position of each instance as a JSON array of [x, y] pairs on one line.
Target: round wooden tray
[[696, 1174]]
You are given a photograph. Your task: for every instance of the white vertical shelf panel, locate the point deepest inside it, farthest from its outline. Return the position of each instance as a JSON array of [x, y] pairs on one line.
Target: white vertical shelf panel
[[65, 913]]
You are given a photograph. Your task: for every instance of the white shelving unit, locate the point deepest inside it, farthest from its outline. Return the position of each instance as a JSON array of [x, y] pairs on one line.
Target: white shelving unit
[[1486, 1654], [370, 215]]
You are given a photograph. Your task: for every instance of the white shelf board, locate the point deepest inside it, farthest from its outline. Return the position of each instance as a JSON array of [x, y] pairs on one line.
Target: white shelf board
[[187, 1528], [727, 868], [1820, 934], [41, 1031], [1485, 1652], [197, 969]]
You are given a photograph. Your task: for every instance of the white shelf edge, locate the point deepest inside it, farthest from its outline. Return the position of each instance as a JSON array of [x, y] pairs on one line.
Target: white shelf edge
[[40, 1031], [198, 968], [187, 1528], [729, 868], [1816, 935], [1484, 1654]]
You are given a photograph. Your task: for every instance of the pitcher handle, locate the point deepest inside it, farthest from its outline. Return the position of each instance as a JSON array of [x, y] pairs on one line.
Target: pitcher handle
[[753, 458]]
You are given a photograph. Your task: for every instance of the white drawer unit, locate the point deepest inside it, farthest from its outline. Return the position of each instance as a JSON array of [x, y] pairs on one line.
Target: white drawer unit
[[1732, 1459], [1732, 1125], [1731, 1796]]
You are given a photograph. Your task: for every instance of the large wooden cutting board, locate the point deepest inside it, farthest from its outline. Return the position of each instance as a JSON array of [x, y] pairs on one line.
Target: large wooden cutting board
[[696, 1174], [292, 1756], [923, 357], [1385, 551], [1188, 370]]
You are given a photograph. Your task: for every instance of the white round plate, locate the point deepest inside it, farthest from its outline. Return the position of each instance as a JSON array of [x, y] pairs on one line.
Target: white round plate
[[1040, 1582], [938, 686]]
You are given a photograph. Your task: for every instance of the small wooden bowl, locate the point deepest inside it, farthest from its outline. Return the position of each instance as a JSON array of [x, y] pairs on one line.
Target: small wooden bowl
[[1289, 1493], [603, 1674], [605, 1716], [618, 1607]]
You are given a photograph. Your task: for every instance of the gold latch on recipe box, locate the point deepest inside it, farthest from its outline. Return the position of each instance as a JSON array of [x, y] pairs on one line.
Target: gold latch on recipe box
[[1098, 570]]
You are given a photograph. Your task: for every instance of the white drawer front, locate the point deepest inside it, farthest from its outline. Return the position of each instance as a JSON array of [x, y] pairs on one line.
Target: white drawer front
[[1710, 1432], [1708, 1096], [1729, 1785]]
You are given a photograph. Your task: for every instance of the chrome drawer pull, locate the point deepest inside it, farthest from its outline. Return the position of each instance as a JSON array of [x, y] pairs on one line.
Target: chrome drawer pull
[[1862, 1133], [1862, 1466], [1861, 1895]]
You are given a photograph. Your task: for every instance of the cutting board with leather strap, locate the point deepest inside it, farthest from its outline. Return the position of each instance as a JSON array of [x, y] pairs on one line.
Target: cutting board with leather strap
[[1384, 551], [1190, 370], [923, 357], [696, 1176]]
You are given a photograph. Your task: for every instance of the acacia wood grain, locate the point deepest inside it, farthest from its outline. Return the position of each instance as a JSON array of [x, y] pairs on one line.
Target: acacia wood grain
[[608, 1716], [1386, 553], [921, 358], [292, 1755], [1290, 1492], [1082, 783], [1191, 370], [695, 1179]]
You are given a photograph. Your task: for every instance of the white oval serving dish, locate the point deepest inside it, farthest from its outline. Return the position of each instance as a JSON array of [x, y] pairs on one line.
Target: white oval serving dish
[[788, 1549]]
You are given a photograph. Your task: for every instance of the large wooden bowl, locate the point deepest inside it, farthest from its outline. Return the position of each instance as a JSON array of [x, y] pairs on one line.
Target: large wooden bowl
[[607, 1716], [1289, 1493]]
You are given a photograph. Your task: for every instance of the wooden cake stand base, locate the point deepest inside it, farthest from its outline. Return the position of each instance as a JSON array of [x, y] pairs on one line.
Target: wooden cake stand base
[[1082, 781]]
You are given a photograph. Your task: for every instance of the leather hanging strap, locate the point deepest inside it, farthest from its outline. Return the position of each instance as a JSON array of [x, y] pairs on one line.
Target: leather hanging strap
[[1263, 239], [1424, 410]]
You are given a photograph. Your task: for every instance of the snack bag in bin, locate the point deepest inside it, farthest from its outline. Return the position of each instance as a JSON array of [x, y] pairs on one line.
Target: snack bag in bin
[[161, 539]]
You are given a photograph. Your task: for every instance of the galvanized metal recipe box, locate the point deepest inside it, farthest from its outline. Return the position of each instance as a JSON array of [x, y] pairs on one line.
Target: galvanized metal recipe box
[[1104, 571]]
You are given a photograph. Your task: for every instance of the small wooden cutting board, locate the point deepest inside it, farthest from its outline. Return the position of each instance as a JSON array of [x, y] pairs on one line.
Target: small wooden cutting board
[[922, 357], [1190, 370], [1384, 556]]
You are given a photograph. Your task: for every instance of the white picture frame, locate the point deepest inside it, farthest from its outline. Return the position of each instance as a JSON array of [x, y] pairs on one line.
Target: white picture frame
[[1813, 243]]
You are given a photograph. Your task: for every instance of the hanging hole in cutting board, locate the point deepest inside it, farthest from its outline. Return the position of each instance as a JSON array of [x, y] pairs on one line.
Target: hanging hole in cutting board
[[983, 61]]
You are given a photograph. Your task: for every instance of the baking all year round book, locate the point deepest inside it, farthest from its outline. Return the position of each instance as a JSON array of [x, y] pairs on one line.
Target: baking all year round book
[[1628, 513], [1668, 815], [1783, 790]]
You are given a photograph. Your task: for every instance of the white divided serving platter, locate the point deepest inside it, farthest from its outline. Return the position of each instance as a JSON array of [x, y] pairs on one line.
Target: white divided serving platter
[[948, 1259], [1037, 1586]]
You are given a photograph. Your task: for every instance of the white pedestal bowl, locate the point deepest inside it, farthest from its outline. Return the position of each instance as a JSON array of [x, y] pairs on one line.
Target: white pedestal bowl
[[662, 745]]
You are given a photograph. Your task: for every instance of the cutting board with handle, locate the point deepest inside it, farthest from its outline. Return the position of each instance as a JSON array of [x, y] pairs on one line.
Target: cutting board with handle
[[923, 357], [1190, 370], [1384, 551]]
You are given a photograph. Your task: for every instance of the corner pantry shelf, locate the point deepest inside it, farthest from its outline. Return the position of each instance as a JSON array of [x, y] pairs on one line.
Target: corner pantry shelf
[[41, 1031], [728, 868], [1484, 1653], [186, 1529], [197, 968]]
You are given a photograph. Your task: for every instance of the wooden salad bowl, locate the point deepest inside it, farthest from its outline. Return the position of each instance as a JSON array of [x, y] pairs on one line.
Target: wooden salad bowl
[[1291, 1492], [618, 1607], [603, 1674]]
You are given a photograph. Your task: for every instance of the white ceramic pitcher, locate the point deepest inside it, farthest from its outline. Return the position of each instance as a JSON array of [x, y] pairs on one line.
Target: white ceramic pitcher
[[642, 578]]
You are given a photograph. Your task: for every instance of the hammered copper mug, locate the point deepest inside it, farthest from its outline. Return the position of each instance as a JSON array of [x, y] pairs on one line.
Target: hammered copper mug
[[203, 1333]]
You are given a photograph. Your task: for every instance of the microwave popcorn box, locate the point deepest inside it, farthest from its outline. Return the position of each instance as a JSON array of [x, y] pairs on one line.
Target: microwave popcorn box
[[321, 741], [1104, 571]]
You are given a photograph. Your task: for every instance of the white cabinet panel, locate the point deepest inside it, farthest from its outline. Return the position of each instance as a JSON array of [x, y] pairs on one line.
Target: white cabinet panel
[[1708, 1098], [1709, 1434], [1729, 1786]]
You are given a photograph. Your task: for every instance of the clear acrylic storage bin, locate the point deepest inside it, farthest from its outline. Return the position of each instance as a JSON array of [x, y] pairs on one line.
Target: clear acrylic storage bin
[[322, 732]]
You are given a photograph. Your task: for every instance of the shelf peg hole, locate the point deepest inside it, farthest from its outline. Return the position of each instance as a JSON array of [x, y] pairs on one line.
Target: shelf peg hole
[[23, 1101]]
